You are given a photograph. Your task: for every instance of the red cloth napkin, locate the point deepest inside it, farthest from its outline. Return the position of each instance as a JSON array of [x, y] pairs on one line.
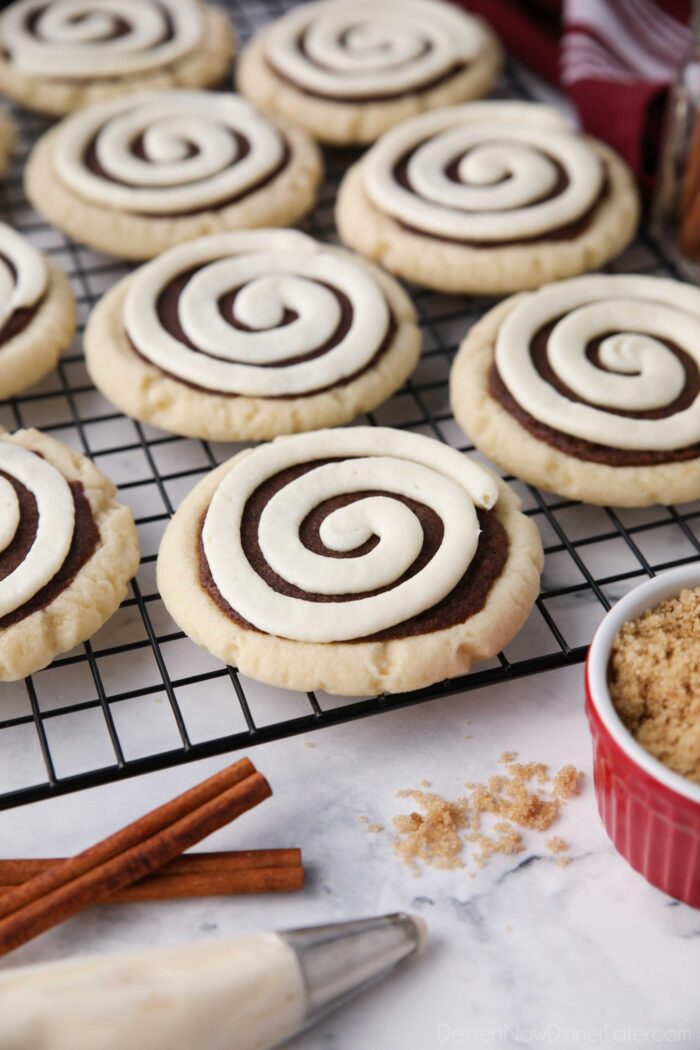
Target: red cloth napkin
[[614, 58]]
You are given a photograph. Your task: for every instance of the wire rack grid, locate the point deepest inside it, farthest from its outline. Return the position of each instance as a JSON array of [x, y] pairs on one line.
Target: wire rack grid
[[140, 696]]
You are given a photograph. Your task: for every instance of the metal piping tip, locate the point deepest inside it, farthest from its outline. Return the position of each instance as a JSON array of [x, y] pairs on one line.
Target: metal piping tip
[[341, 959]]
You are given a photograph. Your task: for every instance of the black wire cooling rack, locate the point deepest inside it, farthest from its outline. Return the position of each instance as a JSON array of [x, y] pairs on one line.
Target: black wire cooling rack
[[140, 696]]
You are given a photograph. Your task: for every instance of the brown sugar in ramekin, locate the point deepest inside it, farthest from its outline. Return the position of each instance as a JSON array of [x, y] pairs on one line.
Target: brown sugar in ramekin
[[654, 680]]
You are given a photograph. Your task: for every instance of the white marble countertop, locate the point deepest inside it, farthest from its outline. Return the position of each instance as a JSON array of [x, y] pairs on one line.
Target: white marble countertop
[[587, 955]]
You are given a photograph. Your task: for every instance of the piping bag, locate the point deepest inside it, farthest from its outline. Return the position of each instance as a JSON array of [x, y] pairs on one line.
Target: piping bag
[[244, 993]]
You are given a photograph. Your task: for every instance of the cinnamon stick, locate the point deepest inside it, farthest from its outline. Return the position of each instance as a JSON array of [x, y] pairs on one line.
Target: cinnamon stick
[[65, 889], [689, 210], [176, 887], [192, 875], [16, 870], [127, 837], [258, 880]]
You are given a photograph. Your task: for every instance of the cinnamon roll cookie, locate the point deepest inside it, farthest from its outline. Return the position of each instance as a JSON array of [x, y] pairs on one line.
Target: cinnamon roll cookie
[[242, 336], [489, 197], [357, 560], [346, 70], [135, 175], [37, 313], [589, 388], [67, 551], [57, 55]]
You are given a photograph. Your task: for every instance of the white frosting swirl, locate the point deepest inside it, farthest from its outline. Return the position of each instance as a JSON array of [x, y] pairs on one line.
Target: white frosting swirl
[[273, 272], [196, 149], [370, 458], [485, 171], [23, 273], [54, 532], [635, 317], [91, 39], [354, 49]]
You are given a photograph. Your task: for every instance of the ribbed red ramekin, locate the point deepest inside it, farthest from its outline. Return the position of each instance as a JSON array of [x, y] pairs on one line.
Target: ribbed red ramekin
[[651, 814]]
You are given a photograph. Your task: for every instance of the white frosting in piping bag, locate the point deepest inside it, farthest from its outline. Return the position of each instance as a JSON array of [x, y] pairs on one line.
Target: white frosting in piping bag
[[510, 156], [633, 315], [246, 993], [372, 48], [272, 271], [90, 39], [372, 459], [54, 529], [191, 160]]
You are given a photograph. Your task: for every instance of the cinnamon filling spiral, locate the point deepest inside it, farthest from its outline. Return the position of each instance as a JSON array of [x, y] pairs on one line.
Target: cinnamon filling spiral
[[168, 153], [94, 39], [348, 51], [394, 533], [47, 533], [487, 174], [605, 368], [265, 314], [23, 281]]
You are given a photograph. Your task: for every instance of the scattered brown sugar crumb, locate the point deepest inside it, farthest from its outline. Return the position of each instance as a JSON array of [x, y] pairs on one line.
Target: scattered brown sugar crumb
[[434, 835], [309, 743], [506, 840], [522, 772], [655, 681], [508, 756], [508, 795], [555, 844], [371, 826], [558, 846], [524, 796], [566, 783]]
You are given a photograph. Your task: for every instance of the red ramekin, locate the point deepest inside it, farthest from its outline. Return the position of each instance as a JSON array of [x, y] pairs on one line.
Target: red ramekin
[[651, 814]]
